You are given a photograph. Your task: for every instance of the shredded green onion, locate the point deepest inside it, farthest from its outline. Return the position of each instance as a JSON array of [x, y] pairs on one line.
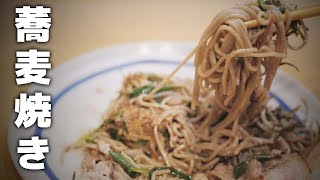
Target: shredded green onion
[[132, 171], [146, 89]]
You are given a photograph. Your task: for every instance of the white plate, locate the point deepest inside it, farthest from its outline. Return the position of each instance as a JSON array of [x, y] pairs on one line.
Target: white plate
[[83, 87]]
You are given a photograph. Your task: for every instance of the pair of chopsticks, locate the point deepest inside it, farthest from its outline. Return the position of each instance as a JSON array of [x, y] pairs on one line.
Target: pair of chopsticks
[[295, 15]]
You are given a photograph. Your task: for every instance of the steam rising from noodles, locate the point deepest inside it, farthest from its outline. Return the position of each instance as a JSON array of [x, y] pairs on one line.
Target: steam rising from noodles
[[208, 129]]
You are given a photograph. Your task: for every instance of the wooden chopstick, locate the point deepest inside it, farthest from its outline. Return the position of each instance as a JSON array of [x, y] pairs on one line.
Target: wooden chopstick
[[295, 15]]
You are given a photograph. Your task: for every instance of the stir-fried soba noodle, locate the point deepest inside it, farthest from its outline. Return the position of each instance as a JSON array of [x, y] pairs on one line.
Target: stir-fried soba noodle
[[218, 127]]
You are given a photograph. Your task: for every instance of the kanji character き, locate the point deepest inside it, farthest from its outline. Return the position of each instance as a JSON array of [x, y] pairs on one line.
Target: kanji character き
[[31, 67], [33, 23], [33, 108], [32, 150]]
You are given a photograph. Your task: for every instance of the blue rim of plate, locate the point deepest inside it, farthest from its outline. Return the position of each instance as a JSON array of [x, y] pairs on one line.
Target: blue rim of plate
[[38, 131]]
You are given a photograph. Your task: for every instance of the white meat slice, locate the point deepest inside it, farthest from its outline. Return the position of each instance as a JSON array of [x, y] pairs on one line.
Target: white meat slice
[[292, 167], [103, 147], [103, 170], [254, 171]]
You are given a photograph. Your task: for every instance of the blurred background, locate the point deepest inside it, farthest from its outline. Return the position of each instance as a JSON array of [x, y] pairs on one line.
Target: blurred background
[[82, 26]]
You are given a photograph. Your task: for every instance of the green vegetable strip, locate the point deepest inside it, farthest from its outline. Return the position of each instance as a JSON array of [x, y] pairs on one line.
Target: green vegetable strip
[[173, 172], [120, 159], [261, 4], [177, 173], [106, 122], [126, 165], [130, 169], [240, 169], [89, 141], [114, 135], [261, 157], [146, 89], [166, 88], [141, 90], [87, 138], [282, 9], [141, 142]]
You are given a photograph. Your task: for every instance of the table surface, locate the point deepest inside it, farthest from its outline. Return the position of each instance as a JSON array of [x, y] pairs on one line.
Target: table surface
[[82, 26]]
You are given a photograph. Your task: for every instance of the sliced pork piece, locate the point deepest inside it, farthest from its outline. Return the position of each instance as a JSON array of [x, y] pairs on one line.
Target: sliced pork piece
[[104, 170], [103, 147], [225, 170], [254, 171], [119, 173], [200, 177], [292, 167]]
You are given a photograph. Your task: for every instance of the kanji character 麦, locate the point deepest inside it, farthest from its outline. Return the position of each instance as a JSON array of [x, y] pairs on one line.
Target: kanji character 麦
[[31, 67]]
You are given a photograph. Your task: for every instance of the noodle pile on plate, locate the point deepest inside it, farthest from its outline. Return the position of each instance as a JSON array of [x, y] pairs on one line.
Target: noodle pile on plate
[[221, 128]]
